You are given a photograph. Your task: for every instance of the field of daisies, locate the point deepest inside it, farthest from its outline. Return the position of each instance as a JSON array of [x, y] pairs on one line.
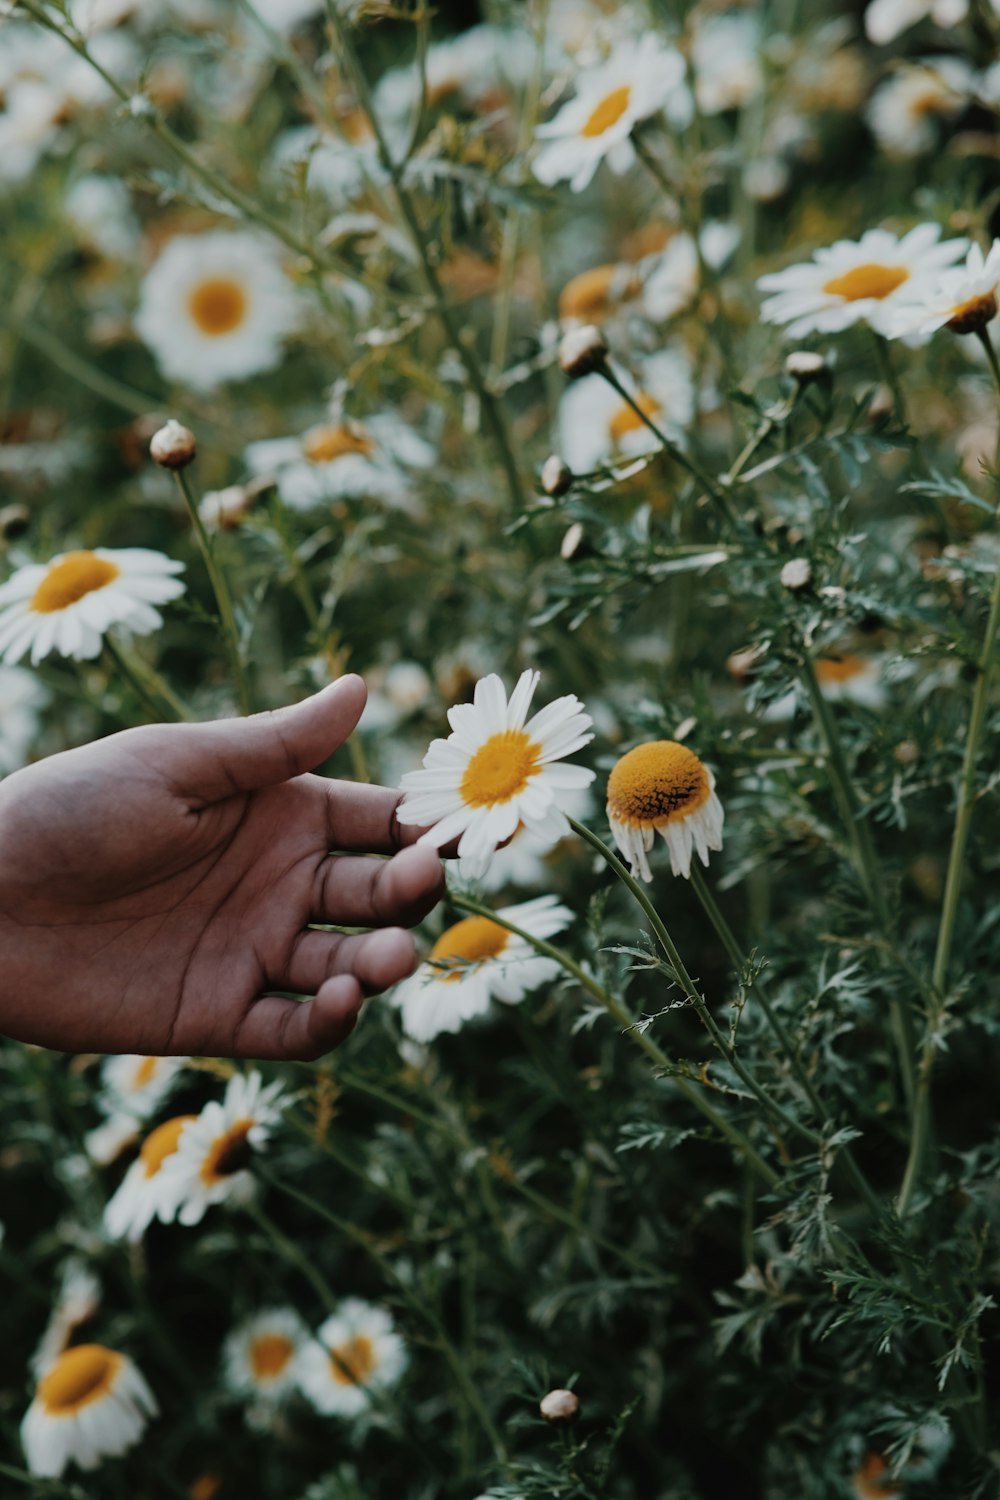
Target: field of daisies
[[614, 386]]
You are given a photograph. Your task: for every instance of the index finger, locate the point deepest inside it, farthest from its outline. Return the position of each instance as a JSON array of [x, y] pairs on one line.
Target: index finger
[[361, 819]]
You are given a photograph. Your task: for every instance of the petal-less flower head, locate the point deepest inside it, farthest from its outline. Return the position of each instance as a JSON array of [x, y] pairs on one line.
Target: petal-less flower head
[[261, 1355], [137, 1085], [495, 770], [90, 1405], [639, 79], [216, 307], [144, 1194], [662, 787], [356, 1351], [963, 299], [475, 962], [214, 1152], [68, 605], [865, 281]]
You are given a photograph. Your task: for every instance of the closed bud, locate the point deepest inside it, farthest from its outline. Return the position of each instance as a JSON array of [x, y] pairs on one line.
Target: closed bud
[[174, 446], [559, 1406], [570, 544], [14, 522], [557, 476], [806, 368], [583, 351]]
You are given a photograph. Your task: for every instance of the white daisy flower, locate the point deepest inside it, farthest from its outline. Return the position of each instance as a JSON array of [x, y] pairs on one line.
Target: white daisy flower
[[107, 1141], [21, 697], [479, 68], [213, 1155], [672, 281], [100, 210], [137, 1085], [963, 299], [68, 604], [905, 111], [525, 860], [846, 678], [863, 281], [494, 770], [260, 1359], [216, 307], [77, 1302], [726, 62], [92, 1404], [639, 79], [475, 962], [663, 788], [395, 694], [144, 1193], [597, 427], [355, 1351], [339, 167], [343, 460], [886, 19]]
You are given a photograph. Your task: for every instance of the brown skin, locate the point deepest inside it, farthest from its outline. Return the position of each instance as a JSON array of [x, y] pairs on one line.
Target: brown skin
[[156, 885]]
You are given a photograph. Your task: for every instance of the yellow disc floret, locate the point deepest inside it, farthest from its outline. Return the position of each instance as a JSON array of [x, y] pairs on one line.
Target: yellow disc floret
[[608, 112], [500, 769], [868, 281], [352, 1363], [655, 783], [269, 1355], [161, 1143], [472, 941], [67, 581], [218, 306], [81, 1375], [324, 444], [229, 1153]]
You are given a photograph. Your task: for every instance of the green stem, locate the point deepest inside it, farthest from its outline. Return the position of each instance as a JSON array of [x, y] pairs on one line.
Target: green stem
[[220, 588], [636, 1032], [147, 683], [887, 369], [952, 894], [994, 364], [37, 1483], [82, 370]]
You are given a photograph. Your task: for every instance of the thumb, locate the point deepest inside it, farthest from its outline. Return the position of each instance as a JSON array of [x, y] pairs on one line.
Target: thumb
[[216, 760]]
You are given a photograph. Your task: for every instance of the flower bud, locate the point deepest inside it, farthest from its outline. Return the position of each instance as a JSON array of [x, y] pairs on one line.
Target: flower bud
[[570, 544], [14, 522], [806, 368], [583, 351], [174, 446], [796, 575], [557, 476], [559, 1406]]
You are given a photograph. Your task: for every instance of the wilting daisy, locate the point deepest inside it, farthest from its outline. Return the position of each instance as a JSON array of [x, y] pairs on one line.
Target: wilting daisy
[[68, 604], [137, 1085], [638, 80], [213, 1155], [475, 962], [261, 1355], [885, 19], [906, 110], [339, 460], [865, 281], [597, 427], [963, 299], [495, 770], [356, 1350], [77, 1302], [143, 1193], [216, 307], [92, 1404], [662, 787]]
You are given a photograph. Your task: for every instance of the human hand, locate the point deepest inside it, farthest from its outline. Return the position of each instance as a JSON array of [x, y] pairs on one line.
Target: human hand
[[156, 884]]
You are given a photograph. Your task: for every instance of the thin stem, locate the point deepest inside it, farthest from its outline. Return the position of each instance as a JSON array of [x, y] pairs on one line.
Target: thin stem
[[220, 588], [636, 1032], [37, 1482], [952, 894], [887, 369], [147, 683], [82, 370], [994, 364]]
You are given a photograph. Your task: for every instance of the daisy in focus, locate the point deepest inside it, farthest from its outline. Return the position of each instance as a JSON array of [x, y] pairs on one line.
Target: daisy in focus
[[638, 80], [77, 1302], [214, 1150], [142, 1194], [342, 460], [261, 1356], [216, 307], [355, 1351], [963, 299], [68, 605], [663, 788], [597, 427], [870, 280], [92, 1404], [496, 770], [138, 1085], [476, 962]]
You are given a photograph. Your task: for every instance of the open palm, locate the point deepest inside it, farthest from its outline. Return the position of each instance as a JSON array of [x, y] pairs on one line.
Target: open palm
[[157, 888]]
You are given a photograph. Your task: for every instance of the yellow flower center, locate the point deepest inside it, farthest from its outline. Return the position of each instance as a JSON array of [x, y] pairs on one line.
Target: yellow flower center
[[269, 1355], [218, 305], [81, 1375], [145, 1072], [608, 112], [206, 1487], [974, 313], [872, 1481], [162, 1142], [867, 281], [472, 941], [352, 1363], [230, 1153], [324, 444], [592, 294], [840, 668], [656, 782], [68, 580], [625, 420], [500, 769]]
